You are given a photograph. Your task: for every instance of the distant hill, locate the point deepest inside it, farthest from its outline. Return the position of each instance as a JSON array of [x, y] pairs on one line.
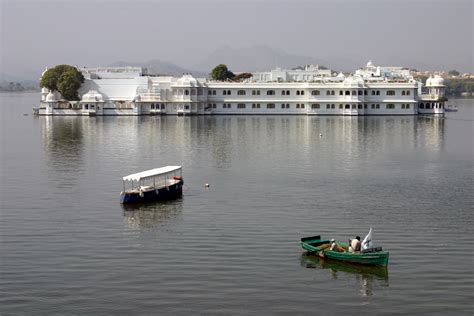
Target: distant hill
[[159, 67], [255, 58]]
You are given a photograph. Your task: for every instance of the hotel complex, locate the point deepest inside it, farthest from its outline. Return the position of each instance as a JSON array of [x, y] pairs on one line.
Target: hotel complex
[[372, 90]]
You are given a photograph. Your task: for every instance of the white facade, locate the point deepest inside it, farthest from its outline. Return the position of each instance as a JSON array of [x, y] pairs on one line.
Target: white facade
[[371, 91]]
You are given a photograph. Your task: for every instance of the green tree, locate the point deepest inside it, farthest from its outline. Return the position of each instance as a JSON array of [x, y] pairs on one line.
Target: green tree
[[65, 79], [222, 73], [453, 73]]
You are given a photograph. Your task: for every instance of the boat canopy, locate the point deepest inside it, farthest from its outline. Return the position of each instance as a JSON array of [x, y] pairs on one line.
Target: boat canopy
[[144, 175]]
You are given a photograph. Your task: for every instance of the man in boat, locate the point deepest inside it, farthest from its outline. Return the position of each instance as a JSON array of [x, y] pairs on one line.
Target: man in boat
[[354, 244]]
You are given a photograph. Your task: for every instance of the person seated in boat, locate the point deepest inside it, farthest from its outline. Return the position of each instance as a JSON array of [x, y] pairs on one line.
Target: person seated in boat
[[336, 247], [354, 244]]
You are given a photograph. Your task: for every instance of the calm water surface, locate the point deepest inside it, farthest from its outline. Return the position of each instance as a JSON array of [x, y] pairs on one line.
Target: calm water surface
[[68, 246]]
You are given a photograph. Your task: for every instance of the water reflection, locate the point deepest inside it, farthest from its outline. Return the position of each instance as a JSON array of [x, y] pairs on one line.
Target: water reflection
[[152, 215], [368, 277], [63, 139]]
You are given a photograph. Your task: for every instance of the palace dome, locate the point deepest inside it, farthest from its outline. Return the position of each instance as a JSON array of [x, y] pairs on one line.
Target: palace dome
[[187, 81], [92, 96], [437, 81], [51, 97]]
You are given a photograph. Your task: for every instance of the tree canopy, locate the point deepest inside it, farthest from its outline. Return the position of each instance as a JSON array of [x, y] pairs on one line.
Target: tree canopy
[[65, 79], [453, 73], [242, 76], [222, 73]]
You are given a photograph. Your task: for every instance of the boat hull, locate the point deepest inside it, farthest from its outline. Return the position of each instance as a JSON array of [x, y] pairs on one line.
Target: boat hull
[[371, 258], [170, 192]]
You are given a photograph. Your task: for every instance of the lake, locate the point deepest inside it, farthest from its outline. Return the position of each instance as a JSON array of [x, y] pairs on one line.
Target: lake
[[69, 247]]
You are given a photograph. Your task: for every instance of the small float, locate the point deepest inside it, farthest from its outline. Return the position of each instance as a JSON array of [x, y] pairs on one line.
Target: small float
[[367, 256], [159, 184]]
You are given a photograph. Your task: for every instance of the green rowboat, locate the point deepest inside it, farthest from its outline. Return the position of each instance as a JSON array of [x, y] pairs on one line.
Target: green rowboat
[[319, 246]]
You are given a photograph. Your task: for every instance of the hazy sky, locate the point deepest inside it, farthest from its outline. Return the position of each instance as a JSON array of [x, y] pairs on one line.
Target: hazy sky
[[35, 34]]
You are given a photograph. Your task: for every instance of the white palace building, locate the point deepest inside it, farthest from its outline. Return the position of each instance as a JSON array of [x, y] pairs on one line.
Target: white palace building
[[372, 90]]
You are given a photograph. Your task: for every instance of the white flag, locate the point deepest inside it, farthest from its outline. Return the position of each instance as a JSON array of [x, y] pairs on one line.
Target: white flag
[[367, 242]]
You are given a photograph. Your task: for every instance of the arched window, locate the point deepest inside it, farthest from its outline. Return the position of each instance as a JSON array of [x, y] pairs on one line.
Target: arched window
[[348, 93], [328, 92], [403, 92], [354, 92], [378, 92], [224, 92], [270, 92], [228, 92], [408, 92], [213, 92], [315, 92], [297, 92], [186, 92], [315, 106], [359, 92], [422, 105], [241, 92], [348, 106], [390, 92], [333, 92], [302, 92], [341, 92], [373, 92]]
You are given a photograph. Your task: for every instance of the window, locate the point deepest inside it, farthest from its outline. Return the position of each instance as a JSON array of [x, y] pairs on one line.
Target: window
[[422, 106], [377, 106], [348, 93], [341, 92], [287, 92], [193, 92], [283, 105], [287, 105], [390, 106], [315, 106], [253, 106], [407, 106], [372, 106], [359, 106], [328, 92], [270, 105], [297, 105], [354, 92], [297, 92], [359, 92], [333, 92], [348, 106], [391, 92], [213, 105], [408, 92], [224, 92], [328, 106], [213, 92], [403, 93], [333, 106], [152, 106], [209, 92], [340, 106], [241, 106], [302, 92], [283, 92], [365, 105], [186, 92], [372, 92], [315, 92], [228, 92], [270, 92], [354, 106], [365, 92], [377, 92], [241, 92]]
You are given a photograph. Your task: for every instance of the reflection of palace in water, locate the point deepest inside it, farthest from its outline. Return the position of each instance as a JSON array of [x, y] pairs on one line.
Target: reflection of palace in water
[[218, 138], [368, 277]]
